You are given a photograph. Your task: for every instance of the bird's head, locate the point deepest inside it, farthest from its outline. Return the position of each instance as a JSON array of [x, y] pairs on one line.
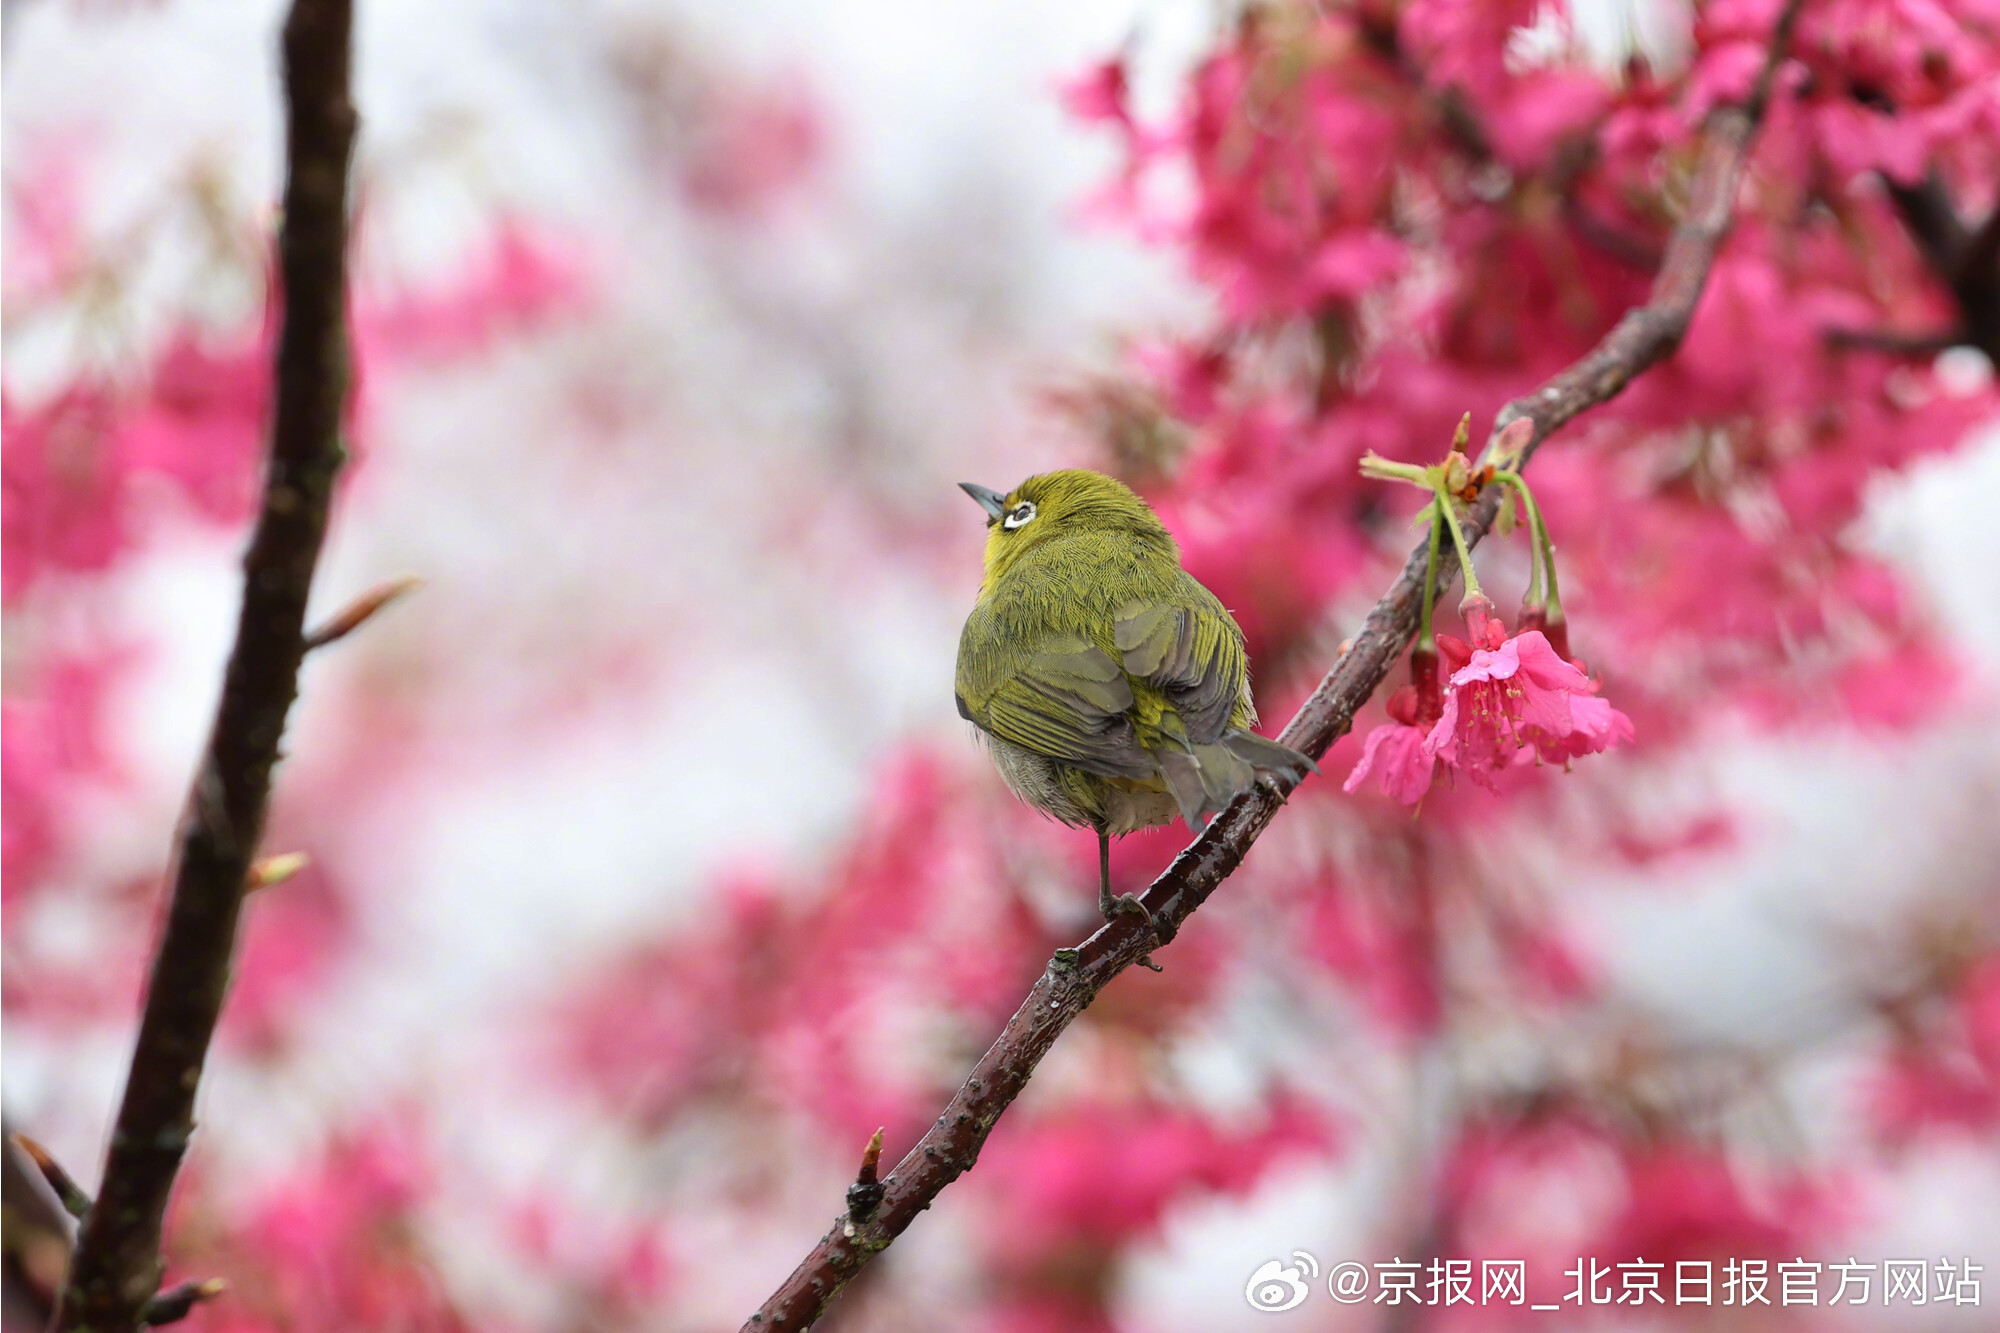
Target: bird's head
[[1056, 506]]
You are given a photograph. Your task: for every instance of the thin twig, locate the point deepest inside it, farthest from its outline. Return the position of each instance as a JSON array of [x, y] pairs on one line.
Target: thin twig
[[359, 611], [1073, 977], [68, 1193], [116, 1269], [34, 1238], [178, 1302], [1896, 344]]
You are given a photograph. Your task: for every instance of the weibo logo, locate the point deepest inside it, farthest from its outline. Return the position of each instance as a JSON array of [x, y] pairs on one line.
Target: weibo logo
[[1277, 1285]]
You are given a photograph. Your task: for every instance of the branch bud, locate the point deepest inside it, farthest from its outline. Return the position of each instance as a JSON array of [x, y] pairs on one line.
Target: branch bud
[[176, 1303], [68, 1193], [359, 611], [270, 871], [865, 1194]]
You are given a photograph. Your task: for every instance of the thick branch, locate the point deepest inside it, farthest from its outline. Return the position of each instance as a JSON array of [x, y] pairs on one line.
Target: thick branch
[[1073, 978], [1976, 285], [116, 1269]]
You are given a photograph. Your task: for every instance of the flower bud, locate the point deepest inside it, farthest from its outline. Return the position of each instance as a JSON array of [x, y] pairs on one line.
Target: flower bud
[[1556, 627], [1481, 621], [1427, 697]]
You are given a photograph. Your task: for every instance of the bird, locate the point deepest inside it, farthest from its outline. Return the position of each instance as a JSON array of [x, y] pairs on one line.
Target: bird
[[1110, 687]]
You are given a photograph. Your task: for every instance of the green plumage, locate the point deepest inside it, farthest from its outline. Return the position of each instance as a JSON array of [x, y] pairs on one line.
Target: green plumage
[[1112, 687]]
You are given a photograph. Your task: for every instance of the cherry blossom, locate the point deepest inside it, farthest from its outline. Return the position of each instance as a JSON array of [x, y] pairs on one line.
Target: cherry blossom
[[1517, 699]]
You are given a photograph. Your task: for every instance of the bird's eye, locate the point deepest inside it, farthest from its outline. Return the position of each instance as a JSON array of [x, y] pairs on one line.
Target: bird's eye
[[1021, 513]]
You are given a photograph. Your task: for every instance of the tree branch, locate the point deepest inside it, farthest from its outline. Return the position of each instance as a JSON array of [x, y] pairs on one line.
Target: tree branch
[[1893, 342], [1927, 211], [115, 1272], [1966, 260], [1073, 978]]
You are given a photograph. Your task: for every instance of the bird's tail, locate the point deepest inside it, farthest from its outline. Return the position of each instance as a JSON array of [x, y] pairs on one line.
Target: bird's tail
[[1207, 778]]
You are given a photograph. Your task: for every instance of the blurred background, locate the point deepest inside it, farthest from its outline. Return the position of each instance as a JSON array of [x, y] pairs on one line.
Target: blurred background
[[651, 867]]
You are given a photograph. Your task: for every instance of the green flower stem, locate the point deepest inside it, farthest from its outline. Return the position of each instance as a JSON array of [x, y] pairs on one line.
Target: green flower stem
[[1538, 538], [1545, 549], [1555, 607], [1387, 469], [1458, 540], [1426, 640]]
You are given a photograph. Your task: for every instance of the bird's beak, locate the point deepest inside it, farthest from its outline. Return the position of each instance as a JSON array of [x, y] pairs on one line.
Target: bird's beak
[[992, 501]]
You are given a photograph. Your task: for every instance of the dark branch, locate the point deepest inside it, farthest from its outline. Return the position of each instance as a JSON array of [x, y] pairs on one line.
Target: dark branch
[[1982, 247], [1635, 252], [1966, 260], [1073, 977], [1933, 223], [1976, 285], [1896, 344], [116, 1269]]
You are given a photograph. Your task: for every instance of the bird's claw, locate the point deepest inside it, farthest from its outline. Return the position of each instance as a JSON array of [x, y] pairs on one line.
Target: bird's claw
[[1126, 904]]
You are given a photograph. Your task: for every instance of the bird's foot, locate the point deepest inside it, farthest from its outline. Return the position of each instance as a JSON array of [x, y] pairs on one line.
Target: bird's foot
[[1126, 904]]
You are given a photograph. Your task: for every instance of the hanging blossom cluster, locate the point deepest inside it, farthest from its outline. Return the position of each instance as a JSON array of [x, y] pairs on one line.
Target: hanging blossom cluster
[[1507, 699]]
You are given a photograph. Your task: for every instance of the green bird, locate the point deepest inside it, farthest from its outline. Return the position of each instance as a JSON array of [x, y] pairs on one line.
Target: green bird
[[1112, 688]]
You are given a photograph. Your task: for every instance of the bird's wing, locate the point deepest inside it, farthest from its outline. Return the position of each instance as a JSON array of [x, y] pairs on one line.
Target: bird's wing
[[1187, 647], [1064, 698]]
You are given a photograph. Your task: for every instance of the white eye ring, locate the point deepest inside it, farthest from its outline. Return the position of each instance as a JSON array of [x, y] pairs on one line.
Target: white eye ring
[[1021, 514]]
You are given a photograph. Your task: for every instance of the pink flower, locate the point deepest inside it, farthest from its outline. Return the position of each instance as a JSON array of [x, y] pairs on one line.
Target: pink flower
[[1099, 1172], [51, 736], [63, 482], [202, 424], [1396, 751], [1595, 726], [1351, 264], [1101, 93], [519, 275], [1514, 696], [753, 147], [1945, 1071], [1380, 939]]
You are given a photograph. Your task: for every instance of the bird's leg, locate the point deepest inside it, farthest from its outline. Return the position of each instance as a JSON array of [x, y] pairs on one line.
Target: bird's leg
[[1106, 904], [1124, 903]]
